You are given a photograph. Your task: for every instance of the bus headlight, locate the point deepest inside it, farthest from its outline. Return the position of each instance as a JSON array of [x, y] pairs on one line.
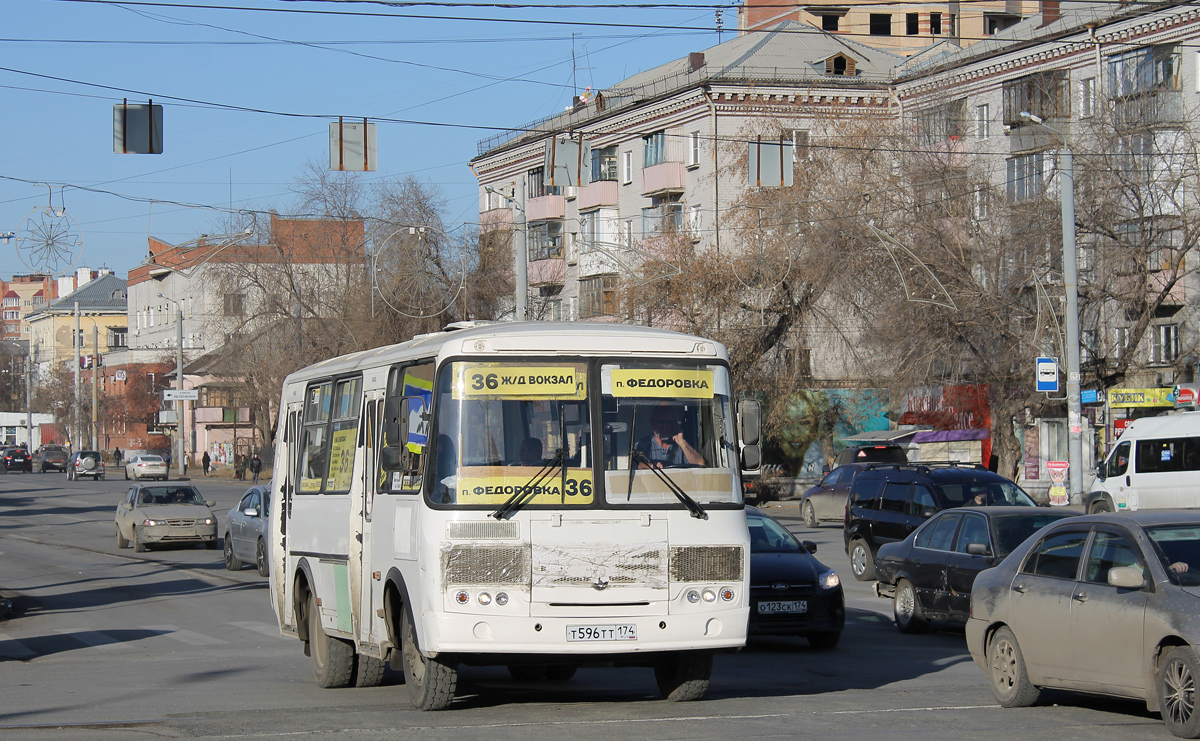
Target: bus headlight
[[462, 598], [693, 596], [727, 595], [709, 595], [484, 598], [501, 598]]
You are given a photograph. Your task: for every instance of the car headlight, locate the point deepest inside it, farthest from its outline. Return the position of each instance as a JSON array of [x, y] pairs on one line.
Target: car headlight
[[153, 523], [829, 580], [208, 521]]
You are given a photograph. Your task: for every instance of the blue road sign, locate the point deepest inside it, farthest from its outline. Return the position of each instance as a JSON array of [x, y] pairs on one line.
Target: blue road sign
[[1047, 374]]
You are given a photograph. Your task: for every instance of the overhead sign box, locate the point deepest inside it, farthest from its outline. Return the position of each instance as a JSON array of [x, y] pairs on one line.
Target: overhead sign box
[[184, 395], [352, 146], [137, 128]]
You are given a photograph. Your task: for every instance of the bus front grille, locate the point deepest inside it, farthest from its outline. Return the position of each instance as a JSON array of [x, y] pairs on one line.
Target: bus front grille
[[706, 563], [471, 564]]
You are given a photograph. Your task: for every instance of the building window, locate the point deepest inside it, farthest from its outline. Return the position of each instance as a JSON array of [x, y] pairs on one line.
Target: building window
[[912, 24], [694, 149], [234, 304], [12, 314], [881, 24], [546, 240], [935, 24], [1166, 343], [951, 24], [1026, 176], [1087, 97], [536, 184], [604, 163], [12, 301], [598, 296], [118, 337], [1043, 94], [1122, 344], [829, 23], [983, 121], [942, 122], [799, 145], [627, 233], [627, 167], [981, 206], [1145, 70], [654, 147], [665, 216], [694, 218]]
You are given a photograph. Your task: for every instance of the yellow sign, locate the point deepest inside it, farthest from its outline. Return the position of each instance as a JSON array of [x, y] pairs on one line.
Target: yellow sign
[[498, 489], [1155, 397], [341, 459], [657, 384], [518, 382], [310, 485]]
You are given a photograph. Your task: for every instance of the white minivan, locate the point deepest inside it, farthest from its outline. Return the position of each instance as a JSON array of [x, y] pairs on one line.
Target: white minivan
[[1155, 465]]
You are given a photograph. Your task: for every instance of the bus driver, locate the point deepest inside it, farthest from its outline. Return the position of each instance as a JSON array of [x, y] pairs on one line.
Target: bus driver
[[666, 445]]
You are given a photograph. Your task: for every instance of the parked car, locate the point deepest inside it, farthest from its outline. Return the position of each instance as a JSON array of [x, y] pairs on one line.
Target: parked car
[[50, 458], [146, 467], [165, 514], [1154, 465], [874, 453], [928, 575], [827, 500], [85, 463], [1101, 604], [17, 459], [246, 531], [889, 501], [791, 592]]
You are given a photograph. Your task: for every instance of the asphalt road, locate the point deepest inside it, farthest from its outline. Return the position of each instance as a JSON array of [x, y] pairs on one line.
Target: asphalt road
[[108, 644]]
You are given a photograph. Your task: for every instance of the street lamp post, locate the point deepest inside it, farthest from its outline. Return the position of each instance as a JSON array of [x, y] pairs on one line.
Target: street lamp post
[[520, 254], [1071, 285], [181, 442]]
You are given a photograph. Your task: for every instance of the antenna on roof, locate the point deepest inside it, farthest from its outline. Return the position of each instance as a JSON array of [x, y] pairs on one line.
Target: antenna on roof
[[720, 24]]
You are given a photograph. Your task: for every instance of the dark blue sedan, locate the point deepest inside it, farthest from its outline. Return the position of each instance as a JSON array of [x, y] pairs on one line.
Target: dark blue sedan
[[791, 592]]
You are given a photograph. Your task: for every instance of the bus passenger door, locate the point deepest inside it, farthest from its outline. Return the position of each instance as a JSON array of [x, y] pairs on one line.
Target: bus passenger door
[[370, 590], [283, 483]]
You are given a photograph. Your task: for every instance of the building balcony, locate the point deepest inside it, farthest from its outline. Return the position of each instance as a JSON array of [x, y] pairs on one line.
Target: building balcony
[[664, 177], [598, 193], [497, 219], [548, 271], [226, 415], [546, 207], [1154, 108]]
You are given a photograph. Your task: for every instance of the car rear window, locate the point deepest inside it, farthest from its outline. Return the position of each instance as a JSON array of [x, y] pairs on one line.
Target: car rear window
[[152, 458], [984, 493], [1057, 555], [879, 454], [1013, 530]]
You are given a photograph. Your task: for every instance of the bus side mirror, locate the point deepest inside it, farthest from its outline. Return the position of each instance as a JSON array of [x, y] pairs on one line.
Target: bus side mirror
[[1100, 475], [751, 458], [749, 421], [392, 417]]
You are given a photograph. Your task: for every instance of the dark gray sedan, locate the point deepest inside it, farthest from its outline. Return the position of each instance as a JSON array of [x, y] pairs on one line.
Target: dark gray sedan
[[246, 530], [1102, 604]]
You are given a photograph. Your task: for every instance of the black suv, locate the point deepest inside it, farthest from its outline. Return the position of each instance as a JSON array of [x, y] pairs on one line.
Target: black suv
[[17, 459], [889, 501], [50, 457], [877, 453]]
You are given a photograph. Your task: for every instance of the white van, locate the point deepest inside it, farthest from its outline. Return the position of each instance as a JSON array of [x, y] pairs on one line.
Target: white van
[[1155, 465]]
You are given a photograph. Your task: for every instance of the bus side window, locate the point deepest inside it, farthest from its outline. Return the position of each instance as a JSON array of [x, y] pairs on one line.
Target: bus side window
[[402, 458]]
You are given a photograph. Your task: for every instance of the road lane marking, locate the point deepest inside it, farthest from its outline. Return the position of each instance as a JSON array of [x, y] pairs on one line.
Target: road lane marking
[[93, 638], [258, 627], [11, 648], [908, 710], [189, 637]]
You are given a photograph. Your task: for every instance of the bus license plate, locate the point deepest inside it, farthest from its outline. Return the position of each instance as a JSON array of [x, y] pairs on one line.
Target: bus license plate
[[774, 608], [601, 632]]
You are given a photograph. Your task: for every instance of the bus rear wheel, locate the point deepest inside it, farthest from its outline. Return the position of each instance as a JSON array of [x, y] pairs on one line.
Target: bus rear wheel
[[332, 658], [683, 676], [431, 682]]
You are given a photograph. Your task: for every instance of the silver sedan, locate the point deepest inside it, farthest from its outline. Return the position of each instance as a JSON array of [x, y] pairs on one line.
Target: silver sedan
[[146, 467], [1106, 604], [152, 515]]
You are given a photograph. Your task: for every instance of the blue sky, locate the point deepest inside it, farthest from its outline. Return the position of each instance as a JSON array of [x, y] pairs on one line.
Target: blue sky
[[494, 73]]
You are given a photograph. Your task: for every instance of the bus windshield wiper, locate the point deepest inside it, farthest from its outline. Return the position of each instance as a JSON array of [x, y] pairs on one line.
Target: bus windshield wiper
[[692, 505], [524, 494]]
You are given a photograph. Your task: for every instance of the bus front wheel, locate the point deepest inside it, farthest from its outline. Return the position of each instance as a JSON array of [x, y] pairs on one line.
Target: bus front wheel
[[683, 676], [332, 658], [431, 682]]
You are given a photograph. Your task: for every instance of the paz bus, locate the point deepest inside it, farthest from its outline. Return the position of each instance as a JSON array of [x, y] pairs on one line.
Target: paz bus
[[541, 496]]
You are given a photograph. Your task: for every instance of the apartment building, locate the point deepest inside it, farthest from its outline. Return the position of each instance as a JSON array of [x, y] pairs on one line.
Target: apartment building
[[53, 336]]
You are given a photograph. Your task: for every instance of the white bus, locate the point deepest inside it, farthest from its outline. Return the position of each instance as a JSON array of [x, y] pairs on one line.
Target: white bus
[[541, 496]]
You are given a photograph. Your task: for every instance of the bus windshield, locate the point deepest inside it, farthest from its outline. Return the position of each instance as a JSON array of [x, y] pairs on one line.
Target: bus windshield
[[505, 428], [674, 418]]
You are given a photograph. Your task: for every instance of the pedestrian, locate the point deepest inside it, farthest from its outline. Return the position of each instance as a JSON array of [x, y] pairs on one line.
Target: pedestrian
[[117, 456], [256, 466], [206, 462]]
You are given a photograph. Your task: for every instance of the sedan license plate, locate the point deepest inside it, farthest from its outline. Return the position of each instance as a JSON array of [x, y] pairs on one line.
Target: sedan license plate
[[775, 608], [601, 632]]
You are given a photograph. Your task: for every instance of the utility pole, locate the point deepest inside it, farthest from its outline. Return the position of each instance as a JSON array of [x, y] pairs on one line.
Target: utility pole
[[75, 433], [95, 386], [522, 256], [29, 396]]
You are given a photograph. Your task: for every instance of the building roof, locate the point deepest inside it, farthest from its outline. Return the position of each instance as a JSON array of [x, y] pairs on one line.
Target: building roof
[[12, 294], [105, 294], [790, 53]]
